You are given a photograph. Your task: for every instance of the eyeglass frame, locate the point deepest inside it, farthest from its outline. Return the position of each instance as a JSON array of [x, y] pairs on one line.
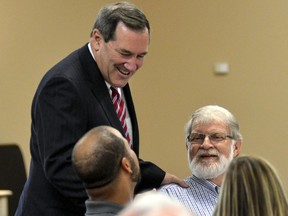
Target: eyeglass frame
[[223, 137]]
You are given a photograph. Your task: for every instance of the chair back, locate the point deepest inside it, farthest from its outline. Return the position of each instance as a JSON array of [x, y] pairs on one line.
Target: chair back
[[12, 173]]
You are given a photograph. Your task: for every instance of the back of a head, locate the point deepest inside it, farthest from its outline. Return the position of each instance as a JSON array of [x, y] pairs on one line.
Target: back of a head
[[252, 187], [96, 156], [125, 12], [155, 204]]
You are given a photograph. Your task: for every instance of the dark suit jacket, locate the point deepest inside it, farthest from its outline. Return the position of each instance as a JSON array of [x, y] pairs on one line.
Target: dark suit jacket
[[71, 99]]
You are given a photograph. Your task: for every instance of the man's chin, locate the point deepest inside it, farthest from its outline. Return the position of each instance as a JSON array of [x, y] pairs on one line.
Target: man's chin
[[136, 178], [208, 161], [205, 169]]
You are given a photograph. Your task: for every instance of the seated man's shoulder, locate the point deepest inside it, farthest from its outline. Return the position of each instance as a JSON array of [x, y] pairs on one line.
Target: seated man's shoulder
[[174, 186], [169, 186]]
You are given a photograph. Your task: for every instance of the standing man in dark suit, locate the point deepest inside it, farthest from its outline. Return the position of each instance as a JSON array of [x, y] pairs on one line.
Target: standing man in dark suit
[[75, 96]]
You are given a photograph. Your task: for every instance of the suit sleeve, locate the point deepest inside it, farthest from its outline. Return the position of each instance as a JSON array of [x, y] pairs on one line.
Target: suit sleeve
[[60, 121], [151, 176]]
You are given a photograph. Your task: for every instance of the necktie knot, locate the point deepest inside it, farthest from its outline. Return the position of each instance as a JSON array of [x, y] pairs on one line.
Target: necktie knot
[[114, 90], [115, 94]]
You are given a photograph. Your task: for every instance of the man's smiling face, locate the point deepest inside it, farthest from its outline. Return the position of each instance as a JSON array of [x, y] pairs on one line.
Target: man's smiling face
[[119, 59]]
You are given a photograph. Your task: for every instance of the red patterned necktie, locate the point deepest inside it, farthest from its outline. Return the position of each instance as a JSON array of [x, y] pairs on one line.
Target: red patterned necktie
[[119, 105]]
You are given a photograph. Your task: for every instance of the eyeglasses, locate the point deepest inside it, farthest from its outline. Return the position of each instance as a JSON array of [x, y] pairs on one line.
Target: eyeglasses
[[198, 138]]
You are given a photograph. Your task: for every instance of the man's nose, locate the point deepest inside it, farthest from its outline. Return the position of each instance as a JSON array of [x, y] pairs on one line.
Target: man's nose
[[206, 143], [132, 64]]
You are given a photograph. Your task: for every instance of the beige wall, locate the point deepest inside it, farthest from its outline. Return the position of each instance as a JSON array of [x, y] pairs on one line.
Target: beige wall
[[188, 38]]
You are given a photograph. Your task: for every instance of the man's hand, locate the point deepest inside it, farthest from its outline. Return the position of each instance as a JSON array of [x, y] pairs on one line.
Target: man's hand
[[169, 178]]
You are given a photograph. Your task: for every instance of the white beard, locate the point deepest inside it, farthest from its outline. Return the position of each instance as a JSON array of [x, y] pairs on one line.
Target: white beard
[[210, 170]]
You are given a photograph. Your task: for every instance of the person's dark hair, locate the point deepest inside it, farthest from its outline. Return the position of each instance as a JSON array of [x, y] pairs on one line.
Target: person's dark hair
[[110, 15], [101, 164]]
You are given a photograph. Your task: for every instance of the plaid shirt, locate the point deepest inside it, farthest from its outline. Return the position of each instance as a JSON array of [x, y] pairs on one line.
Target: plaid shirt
[[200, 197]]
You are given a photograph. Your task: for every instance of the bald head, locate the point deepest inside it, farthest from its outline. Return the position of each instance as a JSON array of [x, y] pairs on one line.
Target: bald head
[[96, 157]]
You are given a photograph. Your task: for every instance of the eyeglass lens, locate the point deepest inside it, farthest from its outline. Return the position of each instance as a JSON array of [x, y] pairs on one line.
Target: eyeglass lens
[[213, 138]]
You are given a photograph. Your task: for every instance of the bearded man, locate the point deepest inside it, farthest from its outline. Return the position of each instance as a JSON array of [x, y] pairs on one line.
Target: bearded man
[[213, 139]]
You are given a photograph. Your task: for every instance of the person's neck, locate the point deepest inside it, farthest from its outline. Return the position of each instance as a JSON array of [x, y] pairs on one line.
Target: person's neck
[[217, 180], [117, 193]]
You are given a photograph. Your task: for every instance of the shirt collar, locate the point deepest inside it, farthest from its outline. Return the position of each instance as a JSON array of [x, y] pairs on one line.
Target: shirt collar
[[206, 183], [90, 49]]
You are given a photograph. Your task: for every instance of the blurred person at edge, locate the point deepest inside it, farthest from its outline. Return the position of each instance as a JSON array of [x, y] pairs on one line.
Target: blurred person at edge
[[252, 187], [154, 204]]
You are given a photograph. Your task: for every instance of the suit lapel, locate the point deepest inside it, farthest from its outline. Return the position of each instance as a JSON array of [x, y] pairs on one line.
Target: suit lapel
[[98, 87]]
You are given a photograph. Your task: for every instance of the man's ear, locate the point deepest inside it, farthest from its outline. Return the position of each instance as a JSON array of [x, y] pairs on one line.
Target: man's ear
[[126, 165], [96, 38], [237, 148]]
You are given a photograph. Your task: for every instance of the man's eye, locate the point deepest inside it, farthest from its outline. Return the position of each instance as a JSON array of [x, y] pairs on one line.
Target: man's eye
[[197, 138], [140, 56], [125, 54], [217, 136]]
